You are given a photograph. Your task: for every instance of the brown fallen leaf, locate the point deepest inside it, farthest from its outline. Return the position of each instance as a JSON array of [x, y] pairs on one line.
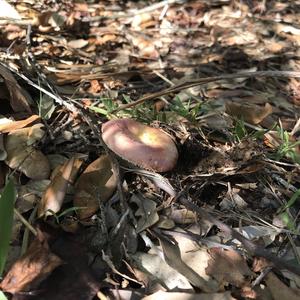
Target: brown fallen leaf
[[279, 290], [145, 46], [250, 113], [228, 266], [96, 183], [21, 155], [33, 163], [33, 267], [11, 126], [19, 98], [54, 195]]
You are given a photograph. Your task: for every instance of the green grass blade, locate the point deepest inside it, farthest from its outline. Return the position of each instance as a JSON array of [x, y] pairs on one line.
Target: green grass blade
[[7, 201]]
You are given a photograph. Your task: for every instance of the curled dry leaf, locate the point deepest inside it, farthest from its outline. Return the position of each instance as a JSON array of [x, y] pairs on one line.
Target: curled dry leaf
[[19, 98], [54, 195], [14, 125], [59, 169], [33, 267], [251, 113], [97, 182], [23, 156]]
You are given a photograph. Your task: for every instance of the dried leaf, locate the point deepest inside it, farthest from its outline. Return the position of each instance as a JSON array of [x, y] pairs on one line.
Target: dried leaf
[[14, 125], [19, 98], [252, 114], [146, 211], [26, 136], [228, 266], [33, 163], [30, 194], [46, 107], [173, 258], [28, 271], [279, 290], [54, 195], [96, 183], [160, 271], [183, 216], [146, 47], [23, 156]]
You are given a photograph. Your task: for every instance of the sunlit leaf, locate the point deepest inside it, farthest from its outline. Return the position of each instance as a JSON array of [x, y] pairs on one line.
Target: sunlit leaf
[[2, 296]]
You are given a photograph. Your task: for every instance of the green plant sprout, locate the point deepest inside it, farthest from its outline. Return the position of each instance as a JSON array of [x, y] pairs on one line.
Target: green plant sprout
[[185, 110], [108, 106], [240, 130], [284, 214], [63, 213], [287, 148]]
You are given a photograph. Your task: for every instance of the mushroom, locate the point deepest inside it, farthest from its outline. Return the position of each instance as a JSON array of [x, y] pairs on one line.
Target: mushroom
[[141, 145]]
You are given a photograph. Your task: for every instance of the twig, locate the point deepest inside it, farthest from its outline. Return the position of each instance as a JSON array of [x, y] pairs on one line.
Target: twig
[[25, 222], [26, 232], [201, 81], [138, 12]]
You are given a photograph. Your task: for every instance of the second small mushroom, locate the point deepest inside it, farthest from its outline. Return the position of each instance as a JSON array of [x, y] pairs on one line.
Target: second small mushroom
[[141, 145]]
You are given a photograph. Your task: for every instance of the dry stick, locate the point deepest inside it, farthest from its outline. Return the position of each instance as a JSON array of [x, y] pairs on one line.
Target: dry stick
[[251, 247], [201, 81], [147, 9]]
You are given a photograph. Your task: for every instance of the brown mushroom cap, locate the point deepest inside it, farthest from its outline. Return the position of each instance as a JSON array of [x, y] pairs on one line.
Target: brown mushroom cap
[[144, 146]]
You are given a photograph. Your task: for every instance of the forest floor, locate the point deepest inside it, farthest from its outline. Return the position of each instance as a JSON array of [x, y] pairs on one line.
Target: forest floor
[[221, 78]]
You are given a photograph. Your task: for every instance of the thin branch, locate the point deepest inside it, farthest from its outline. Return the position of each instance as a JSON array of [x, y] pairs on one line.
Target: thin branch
[[201, 81]]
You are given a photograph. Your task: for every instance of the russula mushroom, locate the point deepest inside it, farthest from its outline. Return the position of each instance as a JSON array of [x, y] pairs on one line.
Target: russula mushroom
[[141, 145]]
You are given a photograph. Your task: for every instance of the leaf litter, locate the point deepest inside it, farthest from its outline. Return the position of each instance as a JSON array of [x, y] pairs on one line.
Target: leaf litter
[[219, 77]]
